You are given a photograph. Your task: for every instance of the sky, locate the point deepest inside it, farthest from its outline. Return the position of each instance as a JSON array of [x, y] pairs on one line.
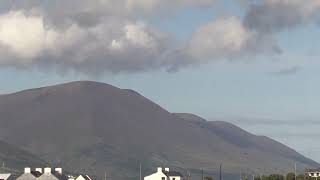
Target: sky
[[250, 62]]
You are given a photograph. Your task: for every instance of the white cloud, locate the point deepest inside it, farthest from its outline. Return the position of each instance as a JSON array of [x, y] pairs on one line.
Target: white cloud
[[222, 38], [26, 36], [116, 45], [87, 49], [135, 35]]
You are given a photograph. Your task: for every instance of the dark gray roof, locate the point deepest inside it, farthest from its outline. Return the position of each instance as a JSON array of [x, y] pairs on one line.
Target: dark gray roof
[[53, 176], [60, 176], [86, 177], [313, 170], [172, 173]]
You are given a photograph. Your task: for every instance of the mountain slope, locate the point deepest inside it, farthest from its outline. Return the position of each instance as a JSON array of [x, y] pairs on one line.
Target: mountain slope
[[247, 141], [89, 126], [14, 159]]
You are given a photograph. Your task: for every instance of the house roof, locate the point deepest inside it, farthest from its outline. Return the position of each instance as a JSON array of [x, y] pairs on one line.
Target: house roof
[[60, 176], [86, 177], [172, 173], [313, 170], [53, 175], [5, 176], [28, 176]]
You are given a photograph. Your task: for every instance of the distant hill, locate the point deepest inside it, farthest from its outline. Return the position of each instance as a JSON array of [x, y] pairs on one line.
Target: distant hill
[[95, 127]]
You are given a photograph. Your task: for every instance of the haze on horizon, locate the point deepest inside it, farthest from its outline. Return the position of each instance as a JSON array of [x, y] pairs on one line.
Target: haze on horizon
[[250, 62]]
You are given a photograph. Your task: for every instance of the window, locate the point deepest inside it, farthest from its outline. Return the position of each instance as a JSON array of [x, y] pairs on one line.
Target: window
[[173, 178], [163, 178]]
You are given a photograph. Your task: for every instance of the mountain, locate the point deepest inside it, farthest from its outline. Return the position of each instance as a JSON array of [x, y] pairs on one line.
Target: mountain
[[95, 127]]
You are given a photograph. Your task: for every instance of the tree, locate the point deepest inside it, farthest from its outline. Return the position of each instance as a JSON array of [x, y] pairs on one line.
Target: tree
[[290, 176], [276, 177], [300, 177]]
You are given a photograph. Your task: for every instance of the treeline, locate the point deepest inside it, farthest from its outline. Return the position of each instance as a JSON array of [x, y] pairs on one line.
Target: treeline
[[289, 176]]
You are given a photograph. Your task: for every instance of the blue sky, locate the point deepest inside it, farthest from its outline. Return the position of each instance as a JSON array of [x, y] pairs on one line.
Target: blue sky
[[280, 87]]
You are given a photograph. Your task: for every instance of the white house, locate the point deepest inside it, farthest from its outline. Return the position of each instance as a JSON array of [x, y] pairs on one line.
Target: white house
[[42, 174], [48, 174], [45, 174], [83, 177], [5, 176], [27, 175], [164, 174], [313, 172]]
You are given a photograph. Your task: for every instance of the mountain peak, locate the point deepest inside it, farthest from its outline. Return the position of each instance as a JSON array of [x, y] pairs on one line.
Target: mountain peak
[[73, 86], [83, 84]]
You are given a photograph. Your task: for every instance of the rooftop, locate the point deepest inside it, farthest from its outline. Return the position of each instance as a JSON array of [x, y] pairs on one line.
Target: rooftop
[[172, 173]]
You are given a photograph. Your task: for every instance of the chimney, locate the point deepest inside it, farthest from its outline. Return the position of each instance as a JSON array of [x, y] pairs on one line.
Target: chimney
[[47, 170], [39, 170], [70, 177], [58, 170], [159, 169], [166, 169], [27, 170]]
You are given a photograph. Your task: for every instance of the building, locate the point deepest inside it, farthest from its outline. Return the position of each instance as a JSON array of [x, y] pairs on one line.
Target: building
[[28, 174], [164, 174], [83, 177], [312, 173], [49, 174], [6, 176]]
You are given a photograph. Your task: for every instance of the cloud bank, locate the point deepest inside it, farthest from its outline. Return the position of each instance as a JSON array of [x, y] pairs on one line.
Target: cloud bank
[[98, 36], [270, 16], [26, 40]]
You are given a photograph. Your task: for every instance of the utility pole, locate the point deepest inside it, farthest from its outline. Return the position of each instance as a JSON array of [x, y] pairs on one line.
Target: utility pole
[[285, 176], [295, 171], [202, 174], [220, 175], [140, 172], [105, 175]]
